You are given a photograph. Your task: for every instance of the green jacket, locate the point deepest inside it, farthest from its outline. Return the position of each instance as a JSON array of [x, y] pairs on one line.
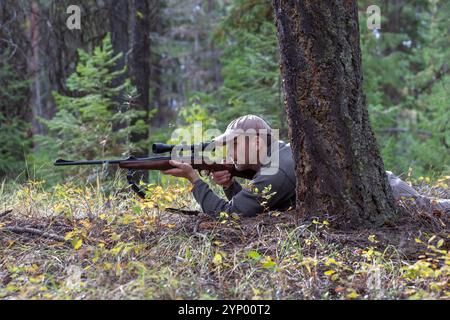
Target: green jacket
[[272, 190]]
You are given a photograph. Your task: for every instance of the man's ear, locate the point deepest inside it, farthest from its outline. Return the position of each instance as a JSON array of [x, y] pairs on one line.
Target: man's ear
[[259, 142], [256, 142]]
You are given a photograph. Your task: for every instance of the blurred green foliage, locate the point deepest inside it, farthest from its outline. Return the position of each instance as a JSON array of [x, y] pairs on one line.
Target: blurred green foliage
[[15, 142], [90, 122], [406, 78], [14, 145], [406, 82], [250, 71]]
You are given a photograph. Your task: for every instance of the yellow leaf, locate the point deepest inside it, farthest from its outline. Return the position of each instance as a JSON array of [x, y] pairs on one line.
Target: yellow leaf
[[77, 243], [267, 262], [85, 224], [217, 260], [126, 219], [59, 207], [329, 272], [254, 255], [115, 251], [440, 243], [37, 279], [223, 216], [118, 268], [69, 235], [372, 238], [115, 237], [352, 294], [235, 216], [11, 288]]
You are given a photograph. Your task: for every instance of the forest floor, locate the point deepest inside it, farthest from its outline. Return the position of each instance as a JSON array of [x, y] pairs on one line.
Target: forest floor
[[76, 243]]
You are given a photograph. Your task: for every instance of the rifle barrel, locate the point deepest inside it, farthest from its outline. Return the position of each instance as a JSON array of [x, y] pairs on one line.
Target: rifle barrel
[[163, 148], [62, 162]]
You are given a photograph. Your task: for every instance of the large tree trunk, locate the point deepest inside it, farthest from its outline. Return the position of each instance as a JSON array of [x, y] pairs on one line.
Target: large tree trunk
[[35, 100], [140, 64], [118, 20], [340, 174], [163, 113], [118, 12]]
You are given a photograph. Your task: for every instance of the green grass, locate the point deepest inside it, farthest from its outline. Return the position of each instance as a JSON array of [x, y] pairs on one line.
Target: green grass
[[120, 247]]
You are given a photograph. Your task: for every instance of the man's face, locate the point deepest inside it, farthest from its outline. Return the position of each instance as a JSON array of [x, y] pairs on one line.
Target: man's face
[[245, 151]]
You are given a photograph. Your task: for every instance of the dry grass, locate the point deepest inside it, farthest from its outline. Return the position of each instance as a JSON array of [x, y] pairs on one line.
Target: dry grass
[[119, 247]]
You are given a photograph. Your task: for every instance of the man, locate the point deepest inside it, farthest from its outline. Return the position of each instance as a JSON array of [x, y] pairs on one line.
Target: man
[[274, 181]]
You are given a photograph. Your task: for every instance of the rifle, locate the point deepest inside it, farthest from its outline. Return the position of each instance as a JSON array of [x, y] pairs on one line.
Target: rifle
[[198, 162]]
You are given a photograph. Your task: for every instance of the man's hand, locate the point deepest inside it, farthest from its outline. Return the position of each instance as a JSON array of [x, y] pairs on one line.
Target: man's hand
[[182, 170], [222, 178]]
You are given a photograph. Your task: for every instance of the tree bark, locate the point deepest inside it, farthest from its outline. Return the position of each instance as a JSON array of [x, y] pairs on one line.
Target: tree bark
[[163, 113], [35, 100], [140, 64], [118, 19], [340, 173]]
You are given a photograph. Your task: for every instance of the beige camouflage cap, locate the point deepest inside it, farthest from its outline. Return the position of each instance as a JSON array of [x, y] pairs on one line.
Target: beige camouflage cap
[[248, 124]]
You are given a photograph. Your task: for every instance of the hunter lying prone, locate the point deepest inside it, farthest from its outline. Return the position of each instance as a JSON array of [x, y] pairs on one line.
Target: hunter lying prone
[[281, 181]]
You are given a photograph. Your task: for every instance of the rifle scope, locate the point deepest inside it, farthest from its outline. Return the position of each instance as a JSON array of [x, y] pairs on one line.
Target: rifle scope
[[162, 147]]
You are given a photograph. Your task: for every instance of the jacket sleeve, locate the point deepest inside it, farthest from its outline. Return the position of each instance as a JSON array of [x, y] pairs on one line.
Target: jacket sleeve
[[244, 202], [232, 190]]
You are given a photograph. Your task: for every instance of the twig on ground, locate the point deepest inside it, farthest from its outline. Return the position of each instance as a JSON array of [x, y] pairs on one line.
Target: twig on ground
[[34, 232], [182, 211], [5, 213]]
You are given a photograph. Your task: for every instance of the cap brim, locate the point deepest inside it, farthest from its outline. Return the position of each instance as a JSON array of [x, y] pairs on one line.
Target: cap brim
[[227, 136]]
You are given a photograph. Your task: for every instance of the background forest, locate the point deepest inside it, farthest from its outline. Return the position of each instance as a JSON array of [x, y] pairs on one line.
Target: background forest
[[138, 68]]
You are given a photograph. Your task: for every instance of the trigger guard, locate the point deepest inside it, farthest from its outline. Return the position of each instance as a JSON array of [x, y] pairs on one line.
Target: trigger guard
[[202, 173]]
